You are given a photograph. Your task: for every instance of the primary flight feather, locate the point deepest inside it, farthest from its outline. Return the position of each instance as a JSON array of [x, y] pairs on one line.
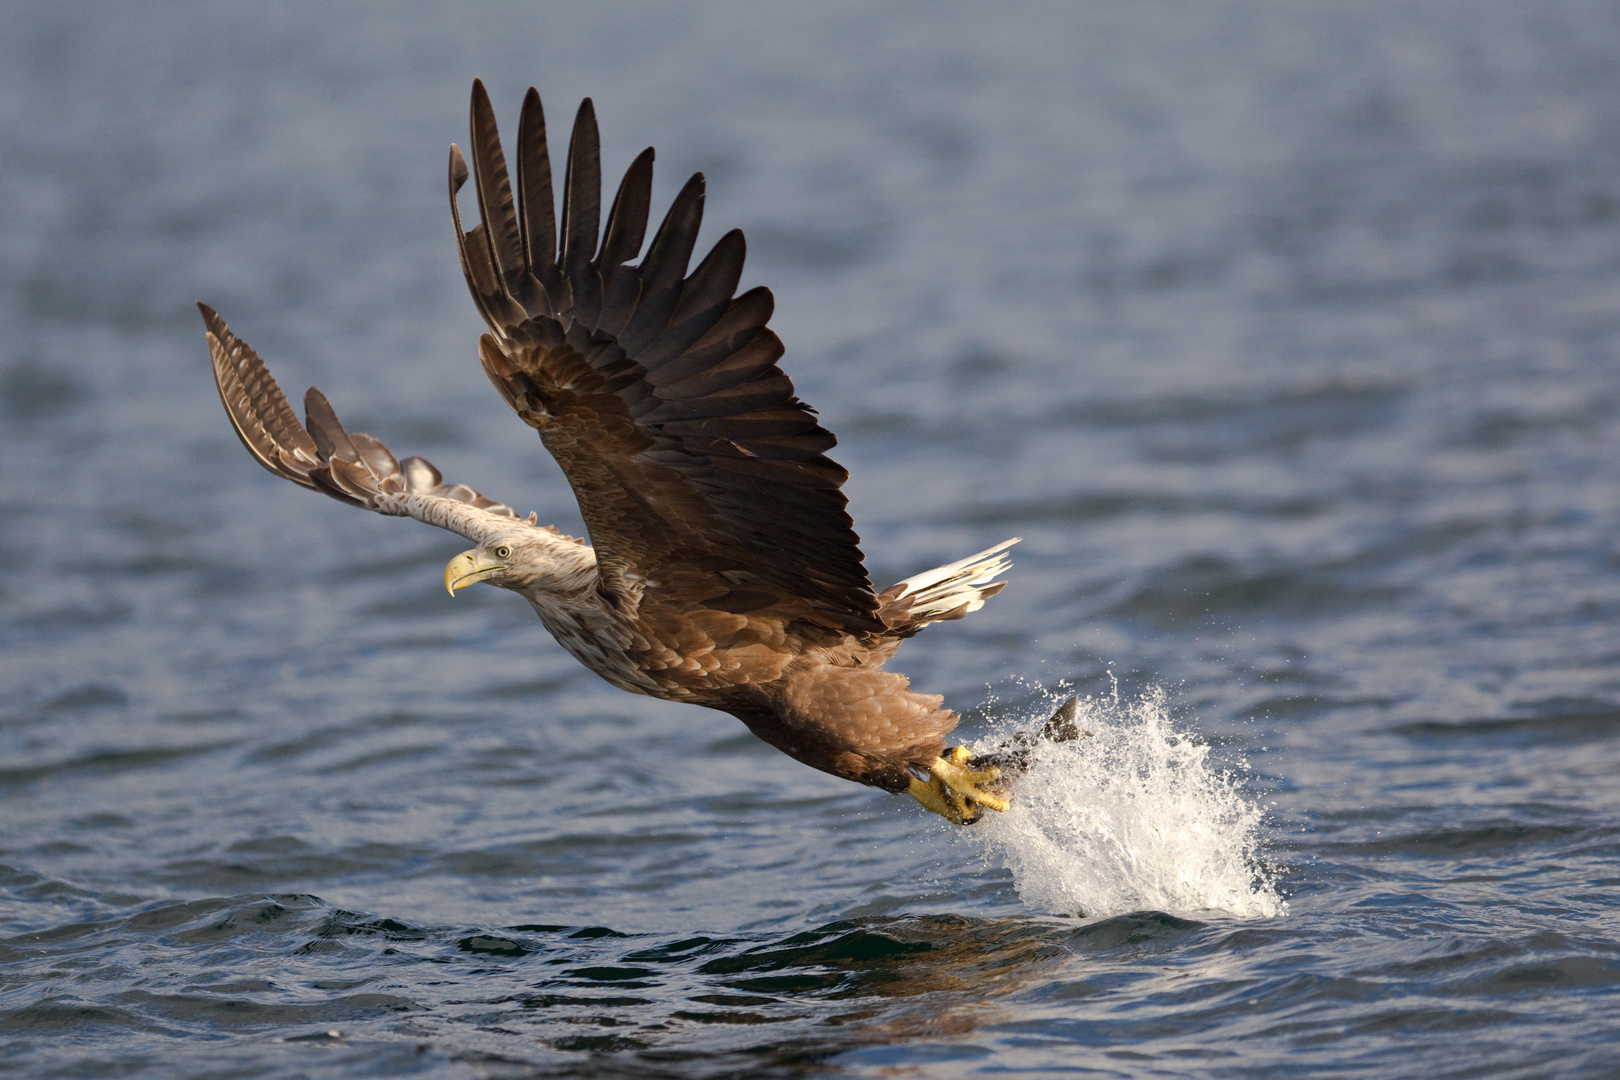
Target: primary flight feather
[[722, 569]]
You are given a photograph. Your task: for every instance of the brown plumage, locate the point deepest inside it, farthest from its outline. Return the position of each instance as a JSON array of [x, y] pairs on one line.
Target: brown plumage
[[723, 569]]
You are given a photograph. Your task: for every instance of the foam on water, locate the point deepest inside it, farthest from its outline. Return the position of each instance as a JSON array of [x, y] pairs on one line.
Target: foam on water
[[1132, 816]]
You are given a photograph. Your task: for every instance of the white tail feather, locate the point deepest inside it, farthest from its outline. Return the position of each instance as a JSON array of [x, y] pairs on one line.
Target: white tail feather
[[943, 589]]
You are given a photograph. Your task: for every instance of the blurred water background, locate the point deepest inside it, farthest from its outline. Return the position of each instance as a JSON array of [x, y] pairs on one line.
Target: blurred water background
[[1286, 335]]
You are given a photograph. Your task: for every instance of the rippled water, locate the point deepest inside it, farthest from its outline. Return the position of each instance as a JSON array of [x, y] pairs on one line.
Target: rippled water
[[1286, 335]]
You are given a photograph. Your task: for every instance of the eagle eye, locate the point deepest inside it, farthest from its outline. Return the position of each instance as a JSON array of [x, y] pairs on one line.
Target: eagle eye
[[503, 552]]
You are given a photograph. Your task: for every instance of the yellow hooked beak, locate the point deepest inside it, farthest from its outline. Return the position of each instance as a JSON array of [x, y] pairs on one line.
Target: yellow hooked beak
[[469, 568]]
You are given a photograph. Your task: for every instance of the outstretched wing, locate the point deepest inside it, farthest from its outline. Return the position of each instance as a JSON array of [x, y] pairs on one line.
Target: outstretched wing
[[349, 466], [698, 472]]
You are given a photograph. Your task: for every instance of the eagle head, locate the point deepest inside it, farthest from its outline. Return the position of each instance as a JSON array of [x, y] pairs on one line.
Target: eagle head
[[523, 559]]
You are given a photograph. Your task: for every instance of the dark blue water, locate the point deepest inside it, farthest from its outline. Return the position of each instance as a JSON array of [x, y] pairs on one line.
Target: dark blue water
[[1288, 336]]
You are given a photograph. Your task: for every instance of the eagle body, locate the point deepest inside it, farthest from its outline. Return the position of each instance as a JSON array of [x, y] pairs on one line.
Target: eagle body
[[723, 569], [819, 694]]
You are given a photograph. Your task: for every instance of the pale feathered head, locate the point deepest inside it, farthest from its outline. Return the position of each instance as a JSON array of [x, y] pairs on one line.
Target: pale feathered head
[[523, 558]]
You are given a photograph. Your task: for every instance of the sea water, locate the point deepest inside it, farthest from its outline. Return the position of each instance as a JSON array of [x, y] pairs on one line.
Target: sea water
[[1285, 334]]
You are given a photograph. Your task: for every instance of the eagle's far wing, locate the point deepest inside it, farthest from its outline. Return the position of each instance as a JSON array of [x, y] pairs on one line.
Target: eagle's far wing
[[351, 467], [698, 471]]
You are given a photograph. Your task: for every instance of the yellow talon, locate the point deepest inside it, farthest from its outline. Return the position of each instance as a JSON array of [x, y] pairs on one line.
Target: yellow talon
[[952, 790]]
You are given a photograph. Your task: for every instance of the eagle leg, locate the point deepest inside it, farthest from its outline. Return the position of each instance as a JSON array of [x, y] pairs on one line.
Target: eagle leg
[[952, 789]]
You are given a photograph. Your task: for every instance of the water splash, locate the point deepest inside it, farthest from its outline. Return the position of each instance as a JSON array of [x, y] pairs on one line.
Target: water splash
[[1132, 816]]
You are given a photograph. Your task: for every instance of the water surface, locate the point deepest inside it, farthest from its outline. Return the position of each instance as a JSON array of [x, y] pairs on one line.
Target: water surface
[[1286, 337]]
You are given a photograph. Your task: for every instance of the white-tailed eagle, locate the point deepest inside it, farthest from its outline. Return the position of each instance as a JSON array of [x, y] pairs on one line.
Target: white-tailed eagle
[[722, 568]]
